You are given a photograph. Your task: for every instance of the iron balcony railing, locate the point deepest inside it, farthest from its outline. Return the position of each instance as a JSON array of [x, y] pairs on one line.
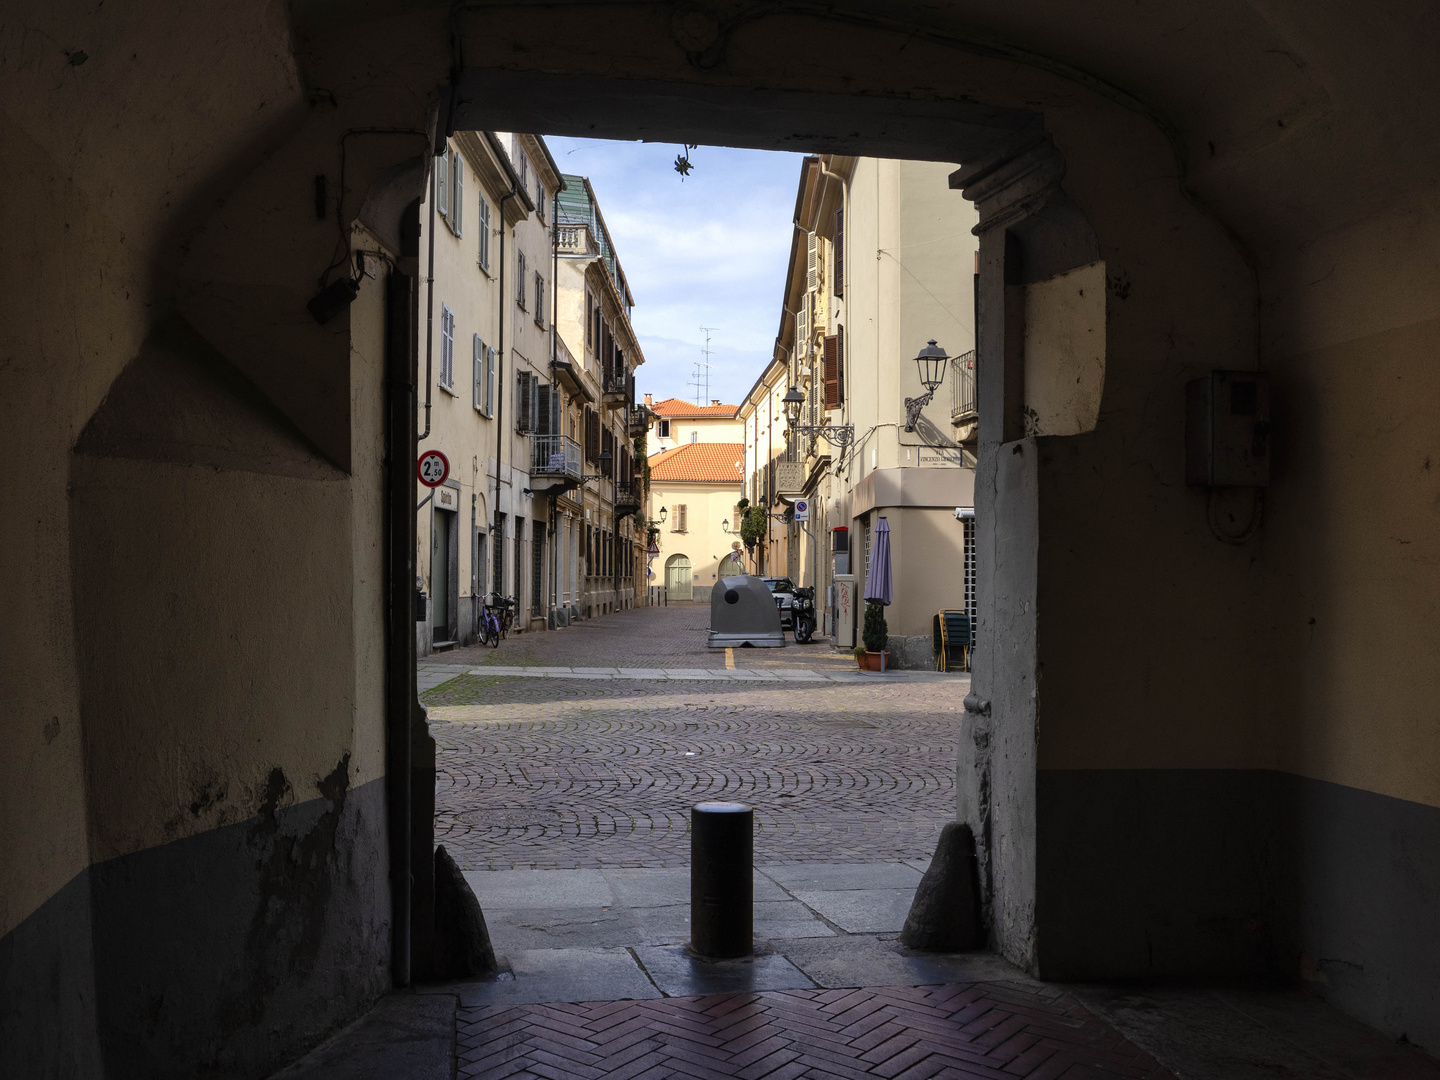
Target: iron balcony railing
[[627, 496], [963, 403], [555, 455], [616, 380]]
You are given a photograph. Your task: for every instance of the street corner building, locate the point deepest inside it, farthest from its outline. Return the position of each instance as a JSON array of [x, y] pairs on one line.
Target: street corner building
[[696, 486]]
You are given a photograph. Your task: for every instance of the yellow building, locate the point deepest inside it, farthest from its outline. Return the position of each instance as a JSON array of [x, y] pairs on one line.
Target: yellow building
[[694, 492]]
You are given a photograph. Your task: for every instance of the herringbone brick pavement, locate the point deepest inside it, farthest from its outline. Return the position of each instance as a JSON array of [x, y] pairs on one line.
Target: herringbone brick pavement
[[975, 1031]]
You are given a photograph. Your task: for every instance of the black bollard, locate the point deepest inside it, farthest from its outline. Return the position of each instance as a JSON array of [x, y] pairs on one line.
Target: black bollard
[[722, 889]]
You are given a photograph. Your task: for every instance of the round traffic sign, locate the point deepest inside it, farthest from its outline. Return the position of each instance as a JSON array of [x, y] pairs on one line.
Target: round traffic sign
[[432, 468]]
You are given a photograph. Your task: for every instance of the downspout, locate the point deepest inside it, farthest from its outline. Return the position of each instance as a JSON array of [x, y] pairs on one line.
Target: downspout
[[401, 316], [554, 358], [500, 389], [429, 301]]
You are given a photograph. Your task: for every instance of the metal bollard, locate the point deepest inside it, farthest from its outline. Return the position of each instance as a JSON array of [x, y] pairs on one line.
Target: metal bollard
[[722, 888]]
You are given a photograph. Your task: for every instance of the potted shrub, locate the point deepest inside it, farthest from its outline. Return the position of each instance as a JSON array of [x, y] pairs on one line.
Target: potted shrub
[[874, 634]]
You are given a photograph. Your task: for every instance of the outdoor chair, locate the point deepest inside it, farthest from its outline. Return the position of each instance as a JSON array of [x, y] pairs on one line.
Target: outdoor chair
[[950, 638]]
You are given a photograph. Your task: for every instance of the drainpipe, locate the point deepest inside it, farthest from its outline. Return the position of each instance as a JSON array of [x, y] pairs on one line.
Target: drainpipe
[[429, 301], [500, 386], [401, 315]]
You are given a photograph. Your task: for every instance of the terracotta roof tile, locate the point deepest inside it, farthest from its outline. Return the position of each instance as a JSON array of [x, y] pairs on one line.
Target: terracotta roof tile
[[675, 406], [701, 462]]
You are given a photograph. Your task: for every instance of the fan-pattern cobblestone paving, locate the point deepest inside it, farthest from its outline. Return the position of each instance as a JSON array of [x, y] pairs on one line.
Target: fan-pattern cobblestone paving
[[562, 774], [982, 1031]]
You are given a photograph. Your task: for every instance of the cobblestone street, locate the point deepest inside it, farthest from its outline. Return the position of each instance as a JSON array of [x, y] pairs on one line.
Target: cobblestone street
[[595, 770]]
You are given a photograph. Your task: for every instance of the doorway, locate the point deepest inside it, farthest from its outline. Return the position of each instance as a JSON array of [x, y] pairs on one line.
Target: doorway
[[679, 582], [444, 578]]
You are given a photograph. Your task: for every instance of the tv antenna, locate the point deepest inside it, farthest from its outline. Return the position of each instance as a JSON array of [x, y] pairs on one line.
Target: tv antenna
[[702, 369]]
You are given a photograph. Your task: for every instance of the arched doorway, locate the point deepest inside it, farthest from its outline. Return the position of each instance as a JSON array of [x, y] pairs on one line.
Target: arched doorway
[[679, 579], [732, 564]]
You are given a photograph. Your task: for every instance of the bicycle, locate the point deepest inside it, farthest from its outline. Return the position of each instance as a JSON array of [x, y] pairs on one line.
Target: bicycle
[[495, 621]]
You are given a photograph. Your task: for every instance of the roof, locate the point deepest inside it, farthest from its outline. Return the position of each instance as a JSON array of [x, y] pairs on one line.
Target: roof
[[701, 463], [679, 407]]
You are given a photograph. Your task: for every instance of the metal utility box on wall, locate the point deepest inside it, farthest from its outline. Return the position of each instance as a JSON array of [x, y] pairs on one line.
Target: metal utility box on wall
[[843, 610], [840, 549], [1227, 430]]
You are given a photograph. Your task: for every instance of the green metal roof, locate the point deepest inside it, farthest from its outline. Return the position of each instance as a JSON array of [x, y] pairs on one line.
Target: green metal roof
[[577, 206]]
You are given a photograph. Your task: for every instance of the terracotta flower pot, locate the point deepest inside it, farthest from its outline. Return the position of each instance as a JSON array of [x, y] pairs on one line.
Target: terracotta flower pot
[[871, 660]]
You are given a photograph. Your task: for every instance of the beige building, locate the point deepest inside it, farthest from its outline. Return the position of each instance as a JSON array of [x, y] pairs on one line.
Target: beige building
[[767, 452], [486, 339], [600, 546], [678, 422], [694, 492], [869, 443]]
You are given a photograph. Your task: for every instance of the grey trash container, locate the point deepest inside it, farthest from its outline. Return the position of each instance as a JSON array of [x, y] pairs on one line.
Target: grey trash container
[[743, 612]]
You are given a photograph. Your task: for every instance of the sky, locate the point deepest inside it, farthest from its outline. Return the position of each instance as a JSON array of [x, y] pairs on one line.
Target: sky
[[709, 251]]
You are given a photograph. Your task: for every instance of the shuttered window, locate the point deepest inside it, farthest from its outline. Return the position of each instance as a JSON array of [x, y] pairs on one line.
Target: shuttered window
[[839, 366], [832, 371], [592, 436], [526, 385], [442, 183], [539, 298], [457, 191], [811, 253], [483, 254], [491, 364], [447, 348], [840, 252], [802, 330], [678, 517], [477, 349], [520, 278]]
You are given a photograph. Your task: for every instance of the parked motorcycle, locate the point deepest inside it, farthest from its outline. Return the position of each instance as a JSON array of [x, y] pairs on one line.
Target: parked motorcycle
[[803, 610]]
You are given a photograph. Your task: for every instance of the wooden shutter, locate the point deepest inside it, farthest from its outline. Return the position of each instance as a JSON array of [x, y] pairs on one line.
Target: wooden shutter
[[442, 182], [478, 370], [832, 372], [484, 223], [542, 409], [524, 403], [490, 367], [840, 252], [810, 255], [839, 366], [457, 194], [520, 278], [681, 524]]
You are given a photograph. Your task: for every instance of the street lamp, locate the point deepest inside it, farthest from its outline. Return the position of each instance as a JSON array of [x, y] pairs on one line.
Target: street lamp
[[839, 435], [605, 458], [931, 363], [663, 515], [725, 525]]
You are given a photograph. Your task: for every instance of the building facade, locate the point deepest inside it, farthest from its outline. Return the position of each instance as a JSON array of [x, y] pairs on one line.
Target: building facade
[[695, 490], [868, 444], [543, 487]]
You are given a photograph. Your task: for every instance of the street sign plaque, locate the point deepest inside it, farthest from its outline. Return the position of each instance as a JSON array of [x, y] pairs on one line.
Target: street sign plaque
[[433, 468]]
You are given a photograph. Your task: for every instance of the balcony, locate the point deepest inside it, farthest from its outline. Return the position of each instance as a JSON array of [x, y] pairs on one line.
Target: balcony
[[617, 388], [964, 405], [555, 458], [575, 239], [639, 420], [627, 497]]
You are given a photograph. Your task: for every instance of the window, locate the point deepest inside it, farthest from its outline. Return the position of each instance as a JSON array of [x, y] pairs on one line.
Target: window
[[457, 191], [527, 402], [520, 279], [664, 427], [969, 524], [677, 518], [447, 348], [839, 252], [589, 325], [540, 198], [811, 251], [539, 299], [694, 436], [442, 182], [519, 564], [484, 229], [484, 366]]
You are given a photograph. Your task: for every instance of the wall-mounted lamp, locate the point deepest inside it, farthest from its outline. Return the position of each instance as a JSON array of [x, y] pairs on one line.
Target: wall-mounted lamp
[[838, 435], [333, 299], [931, 361], [663, 515]]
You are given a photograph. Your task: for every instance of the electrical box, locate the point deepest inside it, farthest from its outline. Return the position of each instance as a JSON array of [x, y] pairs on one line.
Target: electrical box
[[840, 549], [1227, 430], [844, 611]]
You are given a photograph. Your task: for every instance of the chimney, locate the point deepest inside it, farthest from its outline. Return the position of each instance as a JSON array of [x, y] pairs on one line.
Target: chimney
[[714, 401], [647, 400]]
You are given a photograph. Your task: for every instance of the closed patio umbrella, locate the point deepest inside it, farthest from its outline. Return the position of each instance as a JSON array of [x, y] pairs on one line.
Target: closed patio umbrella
[[877, 582]]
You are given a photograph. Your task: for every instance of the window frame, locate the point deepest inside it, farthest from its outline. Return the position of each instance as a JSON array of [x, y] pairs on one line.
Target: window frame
[[520, 271], [539, 312], [482, 254]]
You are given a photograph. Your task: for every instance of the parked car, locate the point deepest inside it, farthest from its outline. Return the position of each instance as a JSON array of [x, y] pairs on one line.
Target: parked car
[[783, 590]]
